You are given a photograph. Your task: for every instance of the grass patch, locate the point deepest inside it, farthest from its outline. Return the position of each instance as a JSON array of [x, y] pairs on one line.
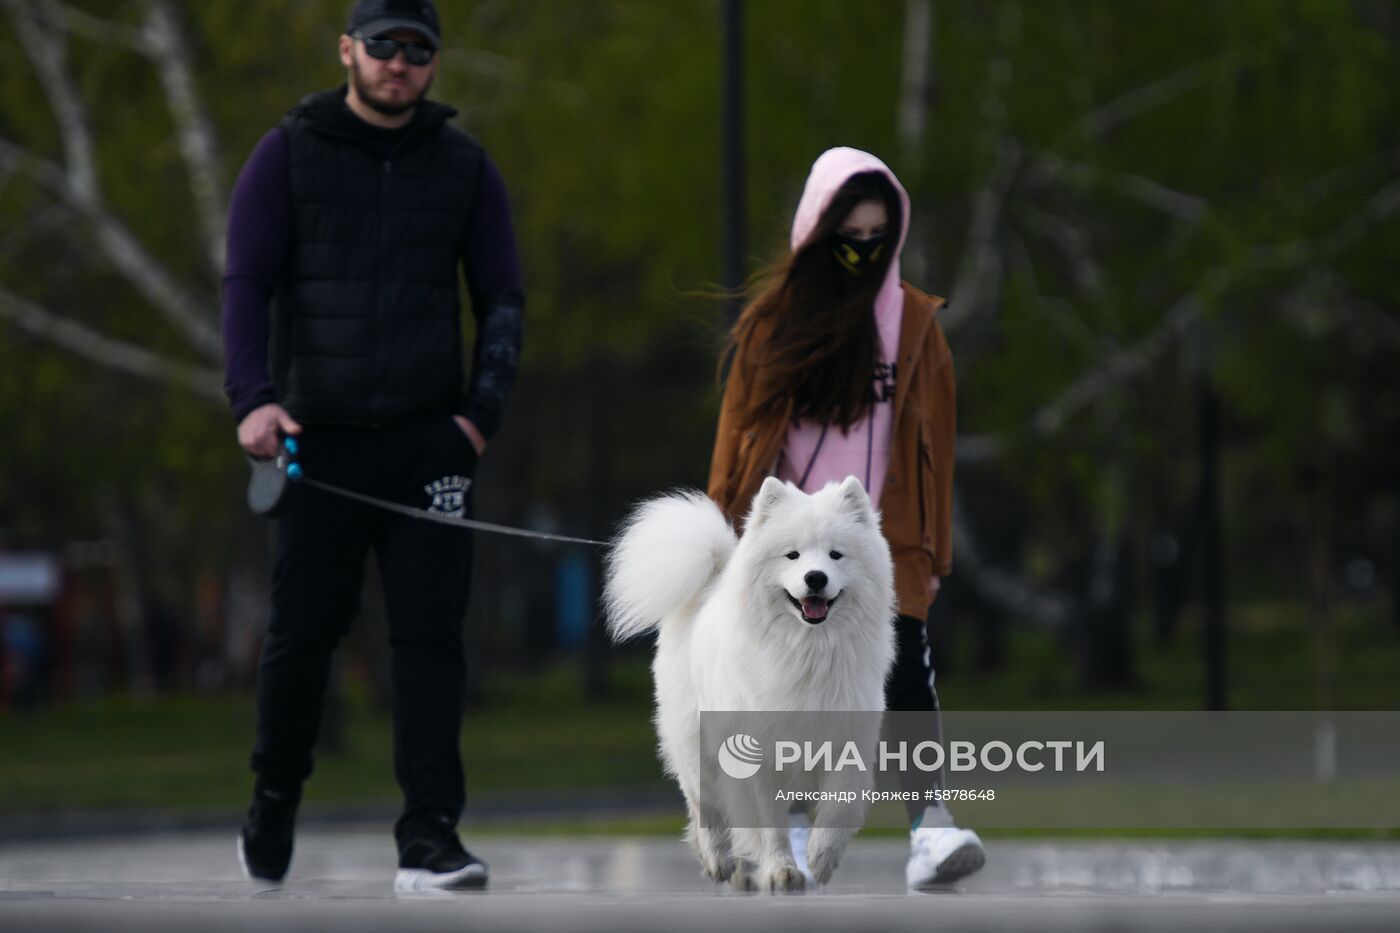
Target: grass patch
[[1271, 665], [535, 734], [188, 751]]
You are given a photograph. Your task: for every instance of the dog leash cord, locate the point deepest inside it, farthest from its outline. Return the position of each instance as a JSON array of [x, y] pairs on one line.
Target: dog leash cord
[[442, 519]]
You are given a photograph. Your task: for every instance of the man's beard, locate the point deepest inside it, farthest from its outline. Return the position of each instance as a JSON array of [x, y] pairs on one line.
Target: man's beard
[[365, 93]]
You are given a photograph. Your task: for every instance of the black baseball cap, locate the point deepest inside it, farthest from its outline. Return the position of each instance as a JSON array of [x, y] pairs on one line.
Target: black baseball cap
[[370, 18]]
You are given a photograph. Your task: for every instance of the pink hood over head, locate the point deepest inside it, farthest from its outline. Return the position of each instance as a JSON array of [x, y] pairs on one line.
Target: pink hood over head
[[812, 454], [828, 174]]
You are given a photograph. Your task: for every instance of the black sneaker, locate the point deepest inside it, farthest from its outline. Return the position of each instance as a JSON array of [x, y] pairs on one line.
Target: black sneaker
[[431, 857], [265, 844]]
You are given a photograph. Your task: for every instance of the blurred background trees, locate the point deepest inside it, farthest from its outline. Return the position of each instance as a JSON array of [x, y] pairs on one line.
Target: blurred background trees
[[1133, 209]]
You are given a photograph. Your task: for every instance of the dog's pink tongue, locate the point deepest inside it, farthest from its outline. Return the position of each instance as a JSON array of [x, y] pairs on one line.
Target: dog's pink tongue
[[814, 607]]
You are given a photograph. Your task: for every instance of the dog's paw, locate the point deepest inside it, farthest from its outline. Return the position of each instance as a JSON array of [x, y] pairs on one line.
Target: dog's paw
[[784, 876], [822, 862], [717, 866], [711, 847], [743, 877]]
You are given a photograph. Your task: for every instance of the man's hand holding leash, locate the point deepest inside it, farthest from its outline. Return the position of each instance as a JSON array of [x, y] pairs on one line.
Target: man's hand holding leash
[[261, 431]]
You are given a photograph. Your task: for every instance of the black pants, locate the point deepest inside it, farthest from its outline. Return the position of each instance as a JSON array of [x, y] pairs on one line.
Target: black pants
[[322, 541], [910, 687]]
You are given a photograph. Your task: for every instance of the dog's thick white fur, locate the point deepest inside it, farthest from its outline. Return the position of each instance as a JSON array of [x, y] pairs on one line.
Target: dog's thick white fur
[[795, 615]]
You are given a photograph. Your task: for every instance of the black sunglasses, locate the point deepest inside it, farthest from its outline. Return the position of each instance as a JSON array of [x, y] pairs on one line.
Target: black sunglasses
[[414, 53]]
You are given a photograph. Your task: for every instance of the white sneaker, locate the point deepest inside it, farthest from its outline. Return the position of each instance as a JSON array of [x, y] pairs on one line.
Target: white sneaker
[[432, 859], [941, 855], [799, 830], [421, 880]]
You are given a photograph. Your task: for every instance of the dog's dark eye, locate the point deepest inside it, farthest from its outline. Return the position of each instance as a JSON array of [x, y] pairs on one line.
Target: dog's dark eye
[[793, 555], [835, 555]]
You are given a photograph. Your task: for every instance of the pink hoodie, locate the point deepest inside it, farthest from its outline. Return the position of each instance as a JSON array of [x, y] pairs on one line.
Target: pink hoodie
[[864, 450]]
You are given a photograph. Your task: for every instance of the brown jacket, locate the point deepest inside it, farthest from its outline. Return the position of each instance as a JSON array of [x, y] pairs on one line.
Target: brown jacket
[[917, 501]]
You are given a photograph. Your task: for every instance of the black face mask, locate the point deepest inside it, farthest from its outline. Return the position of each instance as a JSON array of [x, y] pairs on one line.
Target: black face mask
[[859, 256]]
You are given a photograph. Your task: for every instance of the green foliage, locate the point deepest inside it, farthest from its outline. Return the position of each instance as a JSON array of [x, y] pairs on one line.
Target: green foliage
[[1228, 154]]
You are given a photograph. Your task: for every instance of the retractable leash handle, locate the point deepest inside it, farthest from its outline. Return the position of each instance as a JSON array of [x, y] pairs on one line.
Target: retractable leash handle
[[272, 478]]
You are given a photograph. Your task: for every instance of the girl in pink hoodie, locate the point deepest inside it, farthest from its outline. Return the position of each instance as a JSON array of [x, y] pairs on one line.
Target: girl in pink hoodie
[[825, 333]]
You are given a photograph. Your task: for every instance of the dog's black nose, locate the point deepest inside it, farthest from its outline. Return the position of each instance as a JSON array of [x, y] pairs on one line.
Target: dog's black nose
[[815, 580]]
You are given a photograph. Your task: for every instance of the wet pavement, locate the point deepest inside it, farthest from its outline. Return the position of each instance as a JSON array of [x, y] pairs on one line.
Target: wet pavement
[[341, 879]]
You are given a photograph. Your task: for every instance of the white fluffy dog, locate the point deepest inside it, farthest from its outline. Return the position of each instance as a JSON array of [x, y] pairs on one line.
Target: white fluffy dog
[[795, 615]]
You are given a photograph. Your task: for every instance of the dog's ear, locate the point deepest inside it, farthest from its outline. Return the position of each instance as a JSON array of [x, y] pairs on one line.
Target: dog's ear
[[856, 502], [769, 495]]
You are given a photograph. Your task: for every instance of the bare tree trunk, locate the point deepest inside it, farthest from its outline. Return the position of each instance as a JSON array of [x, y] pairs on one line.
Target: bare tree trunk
[[1318, 561], [917, 83], [1210, 530], [1395, 573], [915, 100], [1166, 551], [1319, 576], [167, 48], [1106, 646], [129, 652], [597, 648], [75, 185]]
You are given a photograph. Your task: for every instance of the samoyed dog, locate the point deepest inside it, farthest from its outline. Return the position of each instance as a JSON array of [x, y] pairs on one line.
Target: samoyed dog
[[795, 615]]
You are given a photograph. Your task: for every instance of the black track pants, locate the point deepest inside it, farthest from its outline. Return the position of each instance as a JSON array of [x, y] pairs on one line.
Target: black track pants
[[322, 541], [910, 687]]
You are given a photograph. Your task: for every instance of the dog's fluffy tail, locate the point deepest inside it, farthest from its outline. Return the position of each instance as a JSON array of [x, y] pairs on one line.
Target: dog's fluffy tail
[[669, 551]]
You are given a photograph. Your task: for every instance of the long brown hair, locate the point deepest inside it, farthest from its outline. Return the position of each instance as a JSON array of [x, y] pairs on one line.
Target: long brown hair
[[809, 333]]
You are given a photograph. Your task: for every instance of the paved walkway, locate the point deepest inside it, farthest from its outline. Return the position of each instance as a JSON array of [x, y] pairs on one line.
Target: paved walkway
[[341, 880]]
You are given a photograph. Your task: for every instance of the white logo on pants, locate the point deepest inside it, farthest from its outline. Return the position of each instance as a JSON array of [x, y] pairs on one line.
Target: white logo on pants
[[448, 495]]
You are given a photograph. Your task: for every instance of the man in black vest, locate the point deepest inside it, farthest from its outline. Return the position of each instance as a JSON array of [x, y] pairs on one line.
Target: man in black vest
[[342, 327]]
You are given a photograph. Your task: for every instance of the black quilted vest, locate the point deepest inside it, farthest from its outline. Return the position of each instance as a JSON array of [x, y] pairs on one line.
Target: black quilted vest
[[368, 320]]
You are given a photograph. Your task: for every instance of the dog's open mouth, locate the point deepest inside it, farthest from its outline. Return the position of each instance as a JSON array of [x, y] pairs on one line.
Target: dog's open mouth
[[813, 608]]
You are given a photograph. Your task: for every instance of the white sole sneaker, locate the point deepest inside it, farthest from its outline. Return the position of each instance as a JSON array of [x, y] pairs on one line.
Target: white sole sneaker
[[411, 880], [941, 856], [243, 864]]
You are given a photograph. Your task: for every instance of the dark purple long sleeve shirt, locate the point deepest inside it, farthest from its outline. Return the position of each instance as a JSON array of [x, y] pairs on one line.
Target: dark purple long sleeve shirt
[[259, 245]]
